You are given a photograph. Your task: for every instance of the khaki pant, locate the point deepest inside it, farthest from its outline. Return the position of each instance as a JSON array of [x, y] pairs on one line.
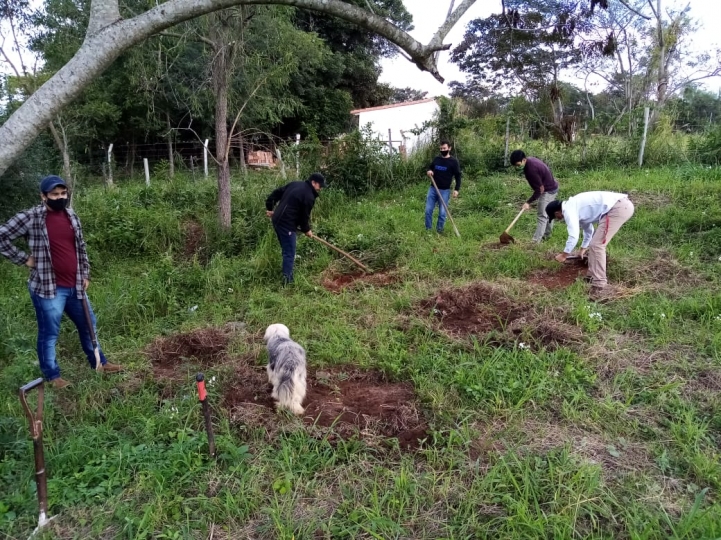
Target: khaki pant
[[607, 228], [544, 228]]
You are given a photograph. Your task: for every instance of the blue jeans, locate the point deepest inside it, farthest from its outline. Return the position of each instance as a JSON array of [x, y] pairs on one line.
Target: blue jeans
[[287, 239], [431, 201], [49, 311]]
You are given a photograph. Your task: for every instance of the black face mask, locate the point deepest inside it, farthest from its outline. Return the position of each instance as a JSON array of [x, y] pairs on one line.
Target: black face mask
[[56, 205], [445, 153]]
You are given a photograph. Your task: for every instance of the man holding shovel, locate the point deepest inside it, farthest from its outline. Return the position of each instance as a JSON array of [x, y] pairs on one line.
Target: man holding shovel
[[442, 170], [545, 188], [295, 202], [59, 274], [610, 210]]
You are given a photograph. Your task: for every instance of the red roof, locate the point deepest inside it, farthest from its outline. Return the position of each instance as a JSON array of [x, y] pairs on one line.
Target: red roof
[[358, 111]]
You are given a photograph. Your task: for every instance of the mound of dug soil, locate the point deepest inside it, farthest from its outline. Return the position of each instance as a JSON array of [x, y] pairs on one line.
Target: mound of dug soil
[[203, 347], [340, 402], [338, 282], [560, 278], [481, 308]]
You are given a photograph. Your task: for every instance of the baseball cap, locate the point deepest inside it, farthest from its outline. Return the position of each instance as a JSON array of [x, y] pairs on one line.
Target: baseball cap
[[49, 183], [552, 208], [317, 177]]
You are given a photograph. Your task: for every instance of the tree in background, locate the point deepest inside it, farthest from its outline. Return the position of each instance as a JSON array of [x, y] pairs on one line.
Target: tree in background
[[526, 47]]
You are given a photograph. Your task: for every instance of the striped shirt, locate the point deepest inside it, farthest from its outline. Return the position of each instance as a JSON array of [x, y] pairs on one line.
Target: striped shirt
[[30, 225]]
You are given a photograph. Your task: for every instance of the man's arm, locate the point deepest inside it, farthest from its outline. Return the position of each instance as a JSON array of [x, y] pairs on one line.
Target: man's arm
[[305, 219], [274, 198], [16, 227], [572, 224], [534, 179], [429, 170], [82, 251], [588, 231]]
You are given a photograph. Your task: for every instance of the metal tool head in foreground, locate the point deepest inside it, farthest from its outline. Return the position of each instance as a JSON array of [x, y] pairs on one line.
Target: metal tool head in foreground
[[507, 239], [36, 432]]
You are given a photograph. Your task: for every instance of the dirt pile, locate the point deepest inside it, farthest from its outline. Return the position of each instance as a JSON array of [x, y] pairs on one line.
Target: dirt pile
[[338, 282], [481, 309], [559, 278], [203, 347], [340, 403]]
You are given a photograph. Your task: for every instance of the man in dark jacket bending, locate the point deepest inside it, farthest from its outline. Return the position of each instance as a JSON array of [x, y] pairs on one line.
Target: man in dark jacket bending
[[295, 202]]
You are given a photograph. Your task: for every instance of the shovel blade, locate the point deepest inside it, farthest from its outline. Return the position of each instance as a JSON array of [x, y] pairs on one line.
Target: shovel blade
[[507, 239]]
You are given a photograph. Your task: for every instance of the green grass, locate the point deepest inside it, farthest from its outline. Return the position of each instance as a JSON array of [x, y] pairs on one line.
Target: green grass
[[614, 437]]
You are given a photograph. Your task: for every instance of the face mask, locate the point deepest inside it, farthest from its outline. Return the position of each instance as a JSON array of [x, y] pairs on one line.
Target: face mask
[[56, 205], [445, 153]]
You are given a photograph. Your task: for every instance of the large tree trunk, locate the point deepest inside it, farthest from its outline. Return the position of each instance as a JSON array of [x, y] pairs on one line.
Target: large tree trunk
[[221, 68], [109, 36]]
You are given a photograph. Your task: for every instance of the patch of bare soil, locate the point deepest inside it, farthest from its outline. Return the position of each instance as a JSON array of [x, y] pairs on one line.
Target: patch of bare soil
[[495, 245], [338, 282], [559, 278], [617, 457], [482, 308], [203, 347], [339, 403], [193, 239], [662, 270]]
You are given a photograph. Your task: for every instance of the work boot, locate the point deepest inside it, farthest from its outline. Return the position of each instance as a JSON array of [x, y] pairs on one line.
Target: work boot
[[60, 383], [600, 294], [112, 368]]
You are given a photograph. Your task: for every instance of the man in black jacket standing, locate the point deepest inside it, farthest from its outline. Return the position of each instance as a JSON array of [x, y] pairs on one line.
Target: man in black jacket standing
[[443, 169], [295, 202]]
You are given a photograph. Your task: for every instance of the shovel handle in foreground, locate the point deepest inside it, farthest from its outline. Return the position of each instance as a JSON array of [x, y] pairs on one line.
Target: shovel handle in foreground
[[91, 328], [347, 255], [203, 398], [36, 432], [445, 206], [516, 219]]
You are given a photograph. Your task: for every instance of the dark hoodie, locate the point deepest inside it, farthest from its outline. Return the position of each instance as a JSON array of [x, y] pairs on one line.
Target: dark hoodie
[[295, 202]]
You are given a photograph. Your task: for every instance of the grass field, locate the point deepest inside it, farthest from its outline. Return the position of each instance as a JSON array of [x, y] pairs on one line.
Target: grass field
[[542, 414]]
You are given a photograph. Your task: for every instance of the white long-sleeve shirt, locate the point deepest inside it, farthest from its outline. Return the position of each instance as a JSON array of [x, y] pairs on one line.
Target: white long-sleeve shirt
[[583, 210]]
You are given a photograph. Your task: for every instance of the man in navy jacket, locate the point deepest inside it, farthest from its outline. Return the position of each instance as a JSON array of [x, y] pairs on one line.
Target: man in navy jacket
[[294, 204]]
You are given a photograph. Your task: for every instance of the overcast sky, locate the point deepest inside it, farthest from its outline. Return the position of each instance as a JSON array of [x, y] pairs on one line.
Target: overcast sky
[[429, 14]]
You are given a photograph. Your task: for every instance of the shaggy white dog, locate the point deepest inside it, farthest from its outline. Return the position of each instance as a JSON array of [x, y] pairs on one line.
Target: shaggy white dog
[[286, 368]]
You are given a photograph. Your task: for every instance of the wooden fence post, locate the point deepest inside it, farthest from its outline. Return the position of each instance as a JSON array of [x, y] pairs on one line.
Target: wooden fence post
[[205, 158], [643, 139], [110, 164], [147, 171]]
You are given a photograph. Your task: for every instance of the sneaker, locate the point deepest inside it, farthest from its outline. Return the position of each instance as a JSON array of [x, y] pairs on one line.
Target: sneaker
[[60, 383], [600, 294], [112, 368]]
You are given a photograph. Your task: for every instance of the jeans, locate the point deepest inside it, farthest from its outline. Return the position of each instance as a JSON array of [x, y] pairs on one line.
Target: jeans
[[49, 312], [431, 201], [544, 226], [287, 239]]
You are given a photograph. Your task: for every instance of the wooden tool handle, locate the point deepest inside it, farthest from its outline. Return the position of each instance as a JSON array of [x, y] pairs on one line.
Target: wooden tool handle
[[514, 221], [347, 255]]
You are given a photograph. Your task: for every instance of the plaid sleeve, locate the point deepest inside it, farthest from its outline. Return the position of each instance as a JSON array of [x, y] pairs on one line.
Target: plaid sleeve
[[16, 227], [83, 261]]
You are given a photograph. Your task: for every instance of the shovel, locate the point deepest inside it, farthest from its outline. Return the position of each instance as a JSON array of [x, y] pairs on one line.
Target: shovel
[[347, 255], [507, 238], [36, 432], [93, 337], [445, 206]]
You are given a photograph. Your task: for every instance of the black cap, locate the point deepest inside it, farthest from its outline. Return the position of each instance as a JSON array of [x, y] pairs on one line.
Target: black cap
[[552, 208], [317, 177]]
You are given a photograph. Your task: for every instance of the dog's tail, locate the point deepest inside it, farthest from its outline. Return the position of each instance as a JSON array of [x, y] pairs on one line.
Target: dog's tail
[[291, 391]]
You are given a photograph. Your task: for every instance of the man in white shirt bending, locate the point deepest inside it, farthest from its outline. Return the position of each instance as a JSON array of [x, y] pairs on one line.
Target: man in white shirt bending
[[610, 210]]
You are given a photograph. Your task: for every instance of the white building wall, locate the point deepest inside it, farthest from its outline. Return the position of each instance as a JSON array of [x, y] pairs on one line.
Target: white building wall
[[403, 118]]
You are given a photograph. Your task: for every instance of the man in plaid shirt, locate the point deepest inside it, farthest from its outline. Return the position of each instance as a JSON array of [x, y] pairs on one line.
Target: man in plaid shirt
[[59, 274]]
